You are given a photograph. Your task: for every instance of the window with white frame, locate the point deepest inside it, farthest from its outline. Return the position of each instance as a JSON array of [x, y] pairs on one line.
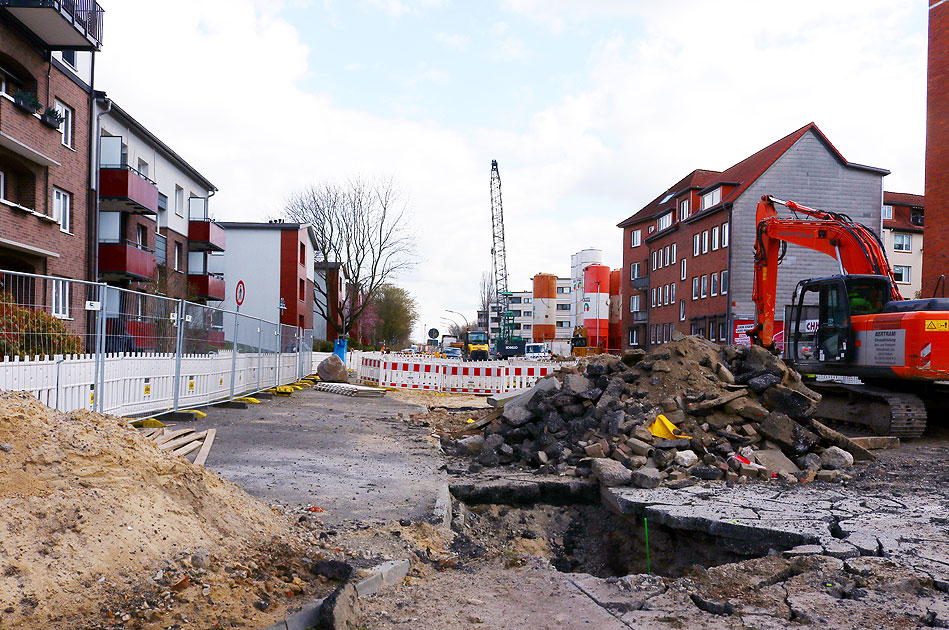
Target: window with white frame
[[142, 167], [724, 234], [60, 298], [681, 310], [3, 185], [652, 300], [902, 274], [695, 245], [178, 253], [66, 127], [633, 270], [666, 253], [683, 209], [710, 199], [724, 283], [682, 270], [673, 253], [634, 303], [705, 286], [714, 283], [634, 336], [654, 261], [902, 242], [694, 329], [664, 221], [652, 333], [62, 209], [714, 238], [695, 288], [887, 212], [179, 201], [636, 238], [705, 242], [665, 295], [672, 293], [721, 331]]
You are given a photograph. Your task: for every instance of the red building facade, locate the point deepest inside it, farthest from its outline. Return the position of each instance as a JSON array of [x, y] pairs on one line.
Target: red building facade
[[936, 254]]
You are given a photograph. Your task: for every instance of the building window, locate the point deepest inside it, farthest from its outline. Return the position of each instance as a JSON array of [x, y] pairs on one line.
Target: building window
[[652, 302], [634, 336], [672, 293], [62, 209], [652, 333], [302, 290], [563, 289], [563, 324], [693, 329], [721, 331], [681, 310], [683, 209], [563, 307], [654, 258], [724, 288], [705, 242], [3, 185], [712, 198], [633, 270], [60, 298], [666, 332], [695, 245], [664, 222], [303, 254], [714, 238], [142, 167], [178, 253], [141, 236], [179, 201], [711, 330], [704, 286], [665, 295], [633, 303], [887, 212], [916, 216], [673, 260], [66, 127], [682, 270], [714, 283], [902, 242], [69, 57], [724, 234], [636, 238], [901, 273], [667, 252], [695, 288]]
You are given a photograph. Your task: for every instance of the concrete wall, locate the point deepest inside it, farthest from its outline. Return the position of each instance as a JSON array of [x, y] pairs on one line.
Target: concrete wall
[[809, 174]]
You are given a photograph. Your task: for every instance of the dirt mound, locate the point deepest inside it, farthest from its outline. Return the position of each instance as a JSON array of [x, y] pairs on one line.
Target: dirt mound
[[740, 412], [88, 504]]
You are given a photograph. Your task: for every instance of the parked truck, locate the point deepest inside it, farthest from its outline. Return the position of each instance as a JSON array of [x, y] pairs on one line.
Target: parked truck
[[476, 345]]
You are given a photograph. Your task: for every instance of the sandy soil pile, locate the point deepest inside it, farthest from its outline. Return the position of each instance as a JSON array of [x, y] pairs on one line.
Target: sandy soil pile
[[90, 509]]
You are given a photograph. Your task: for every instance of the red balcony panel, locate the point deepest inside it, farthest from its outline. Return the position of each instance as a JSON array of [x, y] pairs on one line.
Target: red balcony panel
[[205, 236], [117, 260], [206, 286], [124, 190]]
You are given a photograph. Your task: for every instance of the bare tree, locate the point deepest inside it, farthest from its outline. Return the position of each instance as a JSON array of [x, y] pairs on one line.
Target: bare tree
[[363, 226], [486, 294]]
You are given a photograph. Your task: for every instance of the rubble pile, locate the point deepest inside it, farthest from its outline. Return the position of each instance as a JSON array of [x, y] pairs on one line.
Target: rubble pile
[[739, 413]]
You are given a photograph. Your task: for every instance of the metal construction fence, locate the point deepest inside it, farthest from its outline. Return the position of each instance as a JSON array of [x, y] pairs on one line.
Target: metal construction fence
[[449, 375], [88, 345]]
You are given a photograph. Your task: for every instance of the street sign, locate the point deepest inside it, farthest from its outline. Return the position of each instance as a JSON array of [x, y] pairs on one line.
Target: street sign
[[433, 333], [239, 293]]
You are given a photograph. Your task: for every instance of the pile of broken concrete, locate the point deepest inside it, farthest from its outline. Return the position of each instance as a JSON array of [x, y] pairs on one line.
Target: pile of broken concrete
[[739, 413]]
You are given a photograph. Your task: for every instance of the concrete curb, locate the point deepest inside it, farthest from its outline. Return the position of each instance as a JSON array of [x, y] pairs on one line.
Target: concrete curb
[[441, 515], [385, 574]]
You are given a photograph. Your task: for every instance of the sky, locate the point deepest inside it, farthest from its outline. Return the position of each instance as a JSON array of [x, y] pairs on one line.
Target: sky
[[591, 109]]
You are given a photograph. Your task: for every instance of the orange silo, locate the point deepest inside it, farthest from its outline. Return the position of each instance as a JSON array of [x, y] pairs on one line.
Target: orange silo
[[545, 307], [616, 313], [596, 304]]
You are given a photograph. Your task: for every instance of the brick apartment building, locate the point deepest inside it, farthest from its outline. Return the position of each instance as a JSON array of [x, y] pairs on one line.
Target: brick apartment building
[[154, 231], [276, 263], [936, 255], [688, 255], [903, 239], [46, 207]]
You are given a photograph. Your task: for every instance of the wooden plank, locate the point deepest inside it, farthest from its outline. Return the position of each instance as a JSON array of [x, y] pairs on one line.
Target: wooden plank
[[147, 433], [205, 448], [173, 444], [876, 442], [170, 435], [187, 448]]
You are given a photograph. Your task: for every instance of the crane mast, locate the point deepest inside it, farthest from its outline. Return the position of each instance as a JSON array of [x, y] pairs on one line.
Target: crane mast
[[499, 257]]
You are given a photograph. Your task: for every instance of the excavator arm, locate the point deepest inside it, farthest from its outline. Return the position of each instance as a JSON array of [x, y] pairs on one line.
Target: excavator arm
[[856, 248]]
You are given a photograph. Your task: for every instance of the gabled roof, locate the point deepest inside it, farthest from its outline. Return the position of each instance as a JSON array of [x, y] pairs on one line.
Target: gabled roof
[[903, 199], [695, 180], [744, 173]]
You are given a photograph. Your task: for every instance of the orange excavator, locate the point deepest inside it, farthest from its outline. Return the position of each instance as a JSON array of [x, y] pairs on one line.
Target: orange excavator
[[855, 324]]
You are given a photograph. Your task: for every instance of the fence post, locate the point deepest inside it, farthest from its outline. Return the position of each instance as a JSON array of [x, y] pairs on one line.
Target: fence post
[[237, 321], [260, 335], [99, 343], [276, 372], [100, 385], [180, 321]]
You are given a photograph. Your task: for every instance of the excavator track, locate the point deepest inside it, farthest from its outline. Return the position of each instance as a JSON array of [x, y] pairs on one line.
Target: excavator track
[[886, 411]]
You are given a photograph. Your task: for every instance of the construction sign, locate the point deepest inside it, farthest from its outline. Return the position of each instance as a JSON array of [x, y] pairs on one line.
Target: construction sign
[[937, 325]]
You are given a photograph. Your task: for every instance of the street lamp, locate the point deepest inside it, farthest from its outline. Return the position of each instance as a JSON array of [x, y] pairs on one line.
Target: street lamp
[[467, 325]]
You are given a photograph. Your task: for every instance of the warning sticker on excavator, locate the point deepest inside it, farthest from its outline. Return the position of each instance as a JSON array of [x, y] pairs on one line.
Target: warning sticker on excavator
[[937, 325]]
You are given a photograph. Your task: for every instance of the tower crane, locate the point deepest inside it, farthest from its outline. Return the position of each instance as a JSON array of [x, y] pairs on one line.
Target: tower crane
[[499, 259]]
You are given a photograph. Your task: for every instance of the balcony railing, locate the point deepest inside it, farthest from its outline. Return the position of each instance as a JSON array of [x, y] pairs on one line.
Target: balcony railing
[[640, 316], [641, 283], [205, 235], [206, 285], [60, 24], [126, 260], [124, 189]]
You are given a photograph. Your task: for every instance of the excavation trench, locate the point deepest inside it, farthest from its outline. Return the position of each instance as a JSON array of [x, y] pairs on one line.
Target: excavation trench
[[588, 538]]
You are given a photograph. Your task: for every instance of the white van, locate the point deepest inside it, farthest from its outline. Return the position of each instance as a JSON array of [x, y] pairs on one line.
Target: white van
[[537, 352]]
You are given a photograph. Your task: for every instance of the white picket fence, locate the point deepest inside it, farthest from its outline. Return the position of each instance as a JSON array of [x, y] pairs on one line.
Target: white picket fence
[[448, 375], [144, 383]]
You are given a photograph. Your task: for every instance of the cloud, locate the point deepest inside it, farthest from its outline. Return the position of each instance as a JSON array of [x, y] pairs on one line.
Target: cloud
[[511, 49], [398, 8], [454, 40]]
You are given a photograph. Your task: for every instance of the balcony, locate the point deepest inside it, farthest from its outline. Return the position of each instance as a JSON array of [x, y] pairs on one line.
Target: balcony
[[641, 283], [123, 189], [640, 316], [126, 261], [206, 286], [60, 24], [205, 235]]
